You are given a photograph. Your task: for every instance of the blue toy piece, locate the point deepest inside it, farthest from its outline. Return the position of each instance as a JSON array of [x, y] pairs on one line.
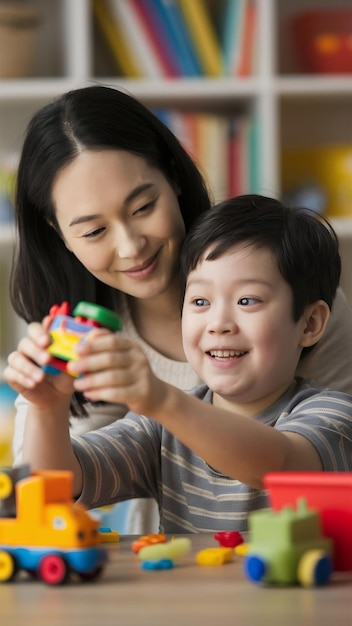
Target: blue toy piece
[[158, 564]]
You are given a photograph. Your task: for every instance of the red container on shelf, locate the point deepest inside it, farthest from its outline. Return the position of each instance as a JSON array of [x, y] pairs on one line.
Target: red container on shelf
[[322, 40]]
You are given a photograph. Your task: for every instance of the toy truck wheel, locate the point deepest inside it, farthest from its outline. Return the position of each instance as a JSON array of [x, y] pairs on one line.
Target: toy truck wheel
[[6, 486], [8, 566], [53, 569], [314, 568], [92, 575], [255, 567]]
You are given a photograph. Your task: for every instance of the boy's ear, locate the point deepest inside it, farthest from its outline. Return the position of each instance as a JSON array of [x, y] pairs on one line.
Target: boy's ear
[[315, 319]]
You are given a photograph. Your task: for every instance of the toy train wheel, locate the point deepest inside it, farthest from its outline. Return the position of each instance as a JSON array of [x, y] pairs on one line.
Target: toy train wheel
[[99, 314], [8, 566], [53, 569], [6, 486], [314, 568], [92, 575], [255, 567]]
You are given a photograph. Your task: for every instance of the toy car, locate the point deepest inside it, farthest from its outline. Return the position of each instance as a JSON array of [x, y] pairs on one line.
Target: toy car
[[287, 547]]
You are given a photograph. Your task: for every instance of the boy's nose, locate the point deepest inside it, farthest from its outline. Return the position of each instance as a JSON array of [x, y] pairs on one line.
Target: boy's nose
[[223, 322]]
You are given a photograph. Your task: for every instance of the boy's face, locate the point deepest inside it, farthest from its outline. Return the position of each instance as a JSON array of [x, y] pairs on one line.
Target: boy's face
[[238, 329]]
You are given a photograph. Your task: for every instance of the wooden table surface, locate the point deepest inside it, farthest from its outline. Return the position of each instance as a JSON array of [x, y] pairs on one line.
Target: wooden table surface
[[186, 595]]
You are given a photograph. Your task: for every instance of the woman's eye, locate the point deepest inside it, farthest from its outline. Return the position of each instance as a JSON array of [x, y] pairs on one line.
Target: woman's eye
[[145, 207], [94, 233]]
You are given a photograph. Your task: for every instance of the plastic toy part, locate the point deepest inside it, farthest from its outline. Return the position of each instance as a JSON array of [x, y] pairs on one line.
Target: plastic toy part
[[242, 549], [229, 539], [286, 547], [108, 536], [47, 534], [160, 564], [215, 556], [174, 550], [67, 331], [147, 540], [330, 493]]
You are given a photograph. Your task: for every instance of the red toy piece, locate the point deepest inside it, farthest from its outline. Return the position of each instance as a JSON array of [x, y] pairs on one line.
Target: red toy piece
[[328, 492], [229, 539]]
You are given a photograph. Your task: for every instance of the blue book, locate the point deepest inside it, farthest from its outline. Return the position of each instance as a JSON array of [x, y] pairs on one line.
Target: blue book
[[155, 27], [231, 34], [174, 26]]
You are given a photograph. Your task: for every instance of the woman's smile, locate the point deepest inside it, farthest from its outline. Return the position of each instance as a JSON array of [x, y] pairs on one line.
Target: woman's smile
[[144, 269]]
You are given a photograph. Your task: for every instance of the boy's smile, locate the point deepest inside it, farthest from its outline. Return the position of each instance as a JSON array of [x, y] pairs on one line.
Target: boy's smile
[[238, 328]]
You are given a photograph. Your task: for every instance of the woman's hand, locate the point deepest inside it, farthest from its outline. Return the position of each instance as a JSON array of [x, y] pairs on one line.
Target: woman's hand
[[25, 375], [115, 369]]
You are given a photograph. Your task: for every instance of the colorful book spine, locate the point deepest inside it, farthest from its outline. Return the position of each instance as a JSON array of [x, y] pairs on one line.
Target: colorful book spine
[[175, 28], [158, 38], [245, 64], [125, 17], [233, 17], [211, 153], [203, 35], [116, 41]]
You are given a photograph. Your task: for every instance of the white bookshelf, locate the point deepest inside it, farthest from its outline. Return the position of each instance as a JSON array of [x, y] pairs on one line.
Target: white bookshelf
[[310, 108]]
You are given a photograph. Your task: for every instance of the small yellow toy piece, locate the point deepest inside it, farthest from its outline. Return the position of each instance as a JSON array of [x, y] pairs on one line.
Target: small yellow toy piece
[[242, 549], [173, 550], [108, 536], [214, 556]]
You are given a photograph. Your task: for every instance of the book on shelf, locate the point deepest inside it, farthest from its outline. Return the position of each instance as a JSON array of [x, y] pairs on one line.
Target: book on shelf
[[116, 40], [246, 54], [154, 28], [173, 23], [238, 39], [225, 149], [126, 18], [203, 35], [234, 162], [211, 152]]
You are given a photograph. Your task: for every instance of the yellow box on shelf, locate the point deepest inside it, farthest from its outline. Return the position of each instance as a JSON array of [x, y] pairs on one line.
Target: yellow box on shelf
[[329, 167]]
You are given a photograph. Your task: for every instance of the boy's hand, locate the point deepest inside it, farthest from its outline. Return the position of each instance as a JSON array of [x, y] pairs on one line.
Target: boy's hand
[[25, 375], [116, 370]]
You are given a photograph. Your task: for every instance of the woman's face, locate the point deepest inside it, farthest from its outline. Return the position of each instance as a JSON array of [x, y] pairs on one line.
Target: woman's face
[[121, 218]]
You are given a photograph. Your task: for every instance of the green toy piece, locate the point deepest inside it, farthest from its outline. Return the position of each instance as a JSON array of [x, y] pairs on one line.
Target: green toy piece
[[287, 547], [105, 317]]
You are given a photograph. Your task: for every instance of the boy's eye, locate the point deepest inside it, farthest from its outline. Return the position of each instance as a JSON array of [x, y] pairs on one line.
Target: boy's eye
[[247, 301], [201, 302]]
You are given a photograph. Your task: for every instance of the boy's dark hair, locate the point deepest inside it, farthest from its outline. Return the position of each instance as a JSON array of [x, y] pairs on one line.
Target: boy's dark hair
[[303, 243], [97, 117]]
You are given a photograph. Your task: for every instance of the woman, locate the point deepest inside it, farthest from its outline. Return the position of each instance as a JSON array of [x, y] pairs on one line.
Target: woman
[[105, 196]]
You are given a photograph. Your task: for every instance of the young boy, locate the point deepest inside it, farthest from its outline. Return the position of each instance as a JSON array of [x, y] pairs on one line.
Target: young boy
[[260, 280]]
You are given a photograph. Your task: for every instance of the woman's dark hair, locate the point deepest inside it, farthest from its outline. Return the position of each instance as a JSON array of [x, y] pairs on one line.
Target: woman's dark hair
[[302, 242], [44, 272]]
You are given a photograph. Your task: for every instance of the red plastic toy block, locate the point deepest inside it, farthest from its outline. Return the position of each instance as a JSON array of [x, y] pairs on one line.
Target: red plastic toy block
[[328, 492]]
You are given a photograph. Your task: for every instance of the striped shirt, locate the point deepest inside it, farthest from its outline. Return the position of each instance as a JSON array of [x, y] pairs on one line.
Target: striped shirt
[[136, 457]]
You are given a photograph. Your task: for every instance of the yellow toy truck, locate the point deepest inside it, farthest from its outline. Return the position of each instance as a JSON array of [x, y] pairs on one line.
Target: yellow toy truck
[[43, 531]]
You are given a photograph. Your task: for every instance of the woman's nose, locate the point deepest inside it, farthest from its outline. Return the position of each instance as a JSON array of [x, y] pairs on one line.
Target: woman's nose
[[129, 243]]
